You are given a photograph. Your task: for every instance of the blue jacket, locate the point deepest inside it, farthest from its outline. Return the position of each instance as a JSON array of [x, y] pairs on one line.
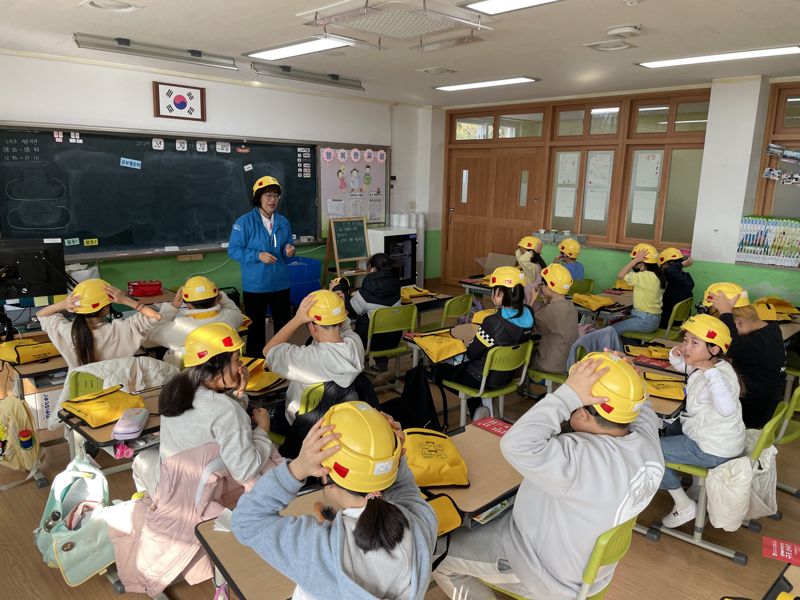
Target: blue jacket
[[249, 238]]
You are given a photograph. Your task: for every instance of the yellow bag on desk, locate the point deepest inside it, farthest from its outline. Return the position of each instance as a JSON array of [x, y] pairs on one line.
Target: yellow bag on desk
[[411, 291], [440, 347], [26, 351], [593, 302], [259, 378], [101, 408], [434, 459], [621, 284], [673, 390]]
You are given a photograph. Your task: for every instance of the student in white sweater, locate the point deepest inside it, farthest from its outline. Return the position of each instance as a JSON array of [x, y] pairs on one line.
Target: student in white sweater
[[576, 486], [198, 406], [91, 337], [710, 431], [204, 304]]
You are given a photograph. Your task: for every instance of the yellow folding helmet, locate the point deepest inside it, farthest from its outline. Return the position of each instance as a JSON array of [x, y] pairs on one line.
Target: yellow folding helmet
[[730, 290], [530, 242], [91, 296], [621, 384], [369, 452], [669, 254], [506, 276], [208, 341], [557, 277], [570, 247], [328, 309], [651, 254], [263, 183], [199, 288], [709, 329]]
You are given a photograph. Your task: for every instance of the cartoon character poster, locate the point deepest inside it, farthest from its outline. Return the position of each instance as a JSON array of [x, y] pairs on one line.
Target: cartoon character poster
[[353, 181]]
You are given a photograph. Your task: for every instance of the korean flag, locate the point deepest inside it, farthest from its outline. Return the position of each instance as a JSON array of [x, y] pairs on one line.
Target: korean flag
[[176, 101]]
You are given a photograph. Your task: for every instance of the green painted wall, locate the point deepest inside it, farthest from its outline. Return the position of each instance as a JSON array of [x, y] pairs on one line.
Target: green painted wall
[[433, 253]]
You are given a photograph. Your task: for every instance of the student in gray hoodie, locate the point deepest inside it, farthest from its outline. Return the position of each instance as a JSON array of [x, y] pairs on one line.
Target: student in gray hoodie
[[576, 486], [378, 546]]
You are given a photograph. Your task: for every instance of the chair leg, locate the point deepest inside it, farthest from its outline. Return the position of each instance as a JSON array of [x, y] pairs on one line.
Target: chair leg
[[500, 405], [548, 384], [462, 422], [789, 489], [787, 394]]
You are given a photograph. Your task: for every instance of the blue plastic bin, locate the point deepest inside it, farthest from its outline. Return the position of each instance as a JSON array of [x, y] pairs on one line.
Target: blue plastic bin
[[304, 277]]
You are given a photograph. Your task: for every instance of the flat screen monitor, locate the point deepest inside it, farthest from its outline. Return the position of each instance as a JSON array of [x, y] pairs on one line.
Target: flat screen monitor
[[31, 268]]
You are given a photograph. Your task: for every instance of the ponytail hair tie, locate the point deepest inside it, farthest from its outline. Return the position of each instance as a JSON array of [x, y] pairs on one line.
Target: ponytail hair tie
[[375, 496]]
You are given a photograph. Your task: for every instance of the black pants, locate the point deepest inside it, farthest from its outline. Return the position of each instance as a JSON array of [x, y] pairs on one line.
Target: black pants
[[255, 307], [459, 374]]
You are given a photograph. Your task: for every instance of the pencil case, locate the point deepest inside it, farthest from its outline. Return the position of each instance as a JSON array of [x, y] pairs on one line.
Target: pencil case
[[150, 287], [130, 424]]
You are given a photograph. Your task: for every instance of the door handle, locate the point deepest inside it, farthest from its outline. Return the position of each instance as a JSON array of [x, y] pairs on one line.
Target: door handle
[[450, 212]]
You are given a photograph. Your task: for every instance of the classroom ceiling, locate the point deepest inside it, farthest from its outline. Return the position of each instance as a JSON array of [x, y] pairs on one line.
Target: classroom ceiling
[[544, 42]]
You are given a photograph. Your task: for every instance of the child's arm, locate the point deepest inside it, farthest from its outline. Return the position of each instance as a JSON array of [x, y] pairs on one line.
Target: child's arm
[[121, 297], [724, 397], [65, 304], [287, 331], [357, 304], [676, 359], [627, 268]]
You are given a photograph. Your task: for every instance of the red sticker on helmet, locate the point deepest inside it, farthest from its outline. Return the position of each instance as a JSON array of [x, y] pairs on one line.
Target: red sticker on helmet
[[340, 470], [545, 271], [607, 407], [711, 334], [227, 342], [494, 279], [260, 183], [552, 284], [186, 296], [318, 317], [95, 304], [202, 354]]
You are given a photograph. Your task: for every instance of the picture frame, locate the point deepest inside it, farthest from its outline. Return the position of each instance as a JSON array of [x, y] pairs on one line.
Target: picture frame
[[179, 101]]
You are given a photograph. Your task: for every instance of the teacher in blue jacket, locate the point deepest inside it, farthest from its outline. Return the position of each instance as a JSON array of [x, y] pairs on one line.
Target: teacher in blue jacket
[[261, 241]]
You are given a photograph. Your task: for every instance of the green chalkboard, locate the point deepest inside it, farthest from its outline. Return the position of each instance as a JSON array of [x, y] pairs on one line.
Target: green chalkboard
[[350, 238]]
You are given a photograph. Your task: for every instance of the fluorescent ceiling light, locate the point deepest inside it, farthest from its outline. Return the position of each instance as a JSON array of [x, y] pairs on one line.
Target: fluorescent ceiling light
[[710, 58], [286, 72], [126, 46], [495, 7], [485, 84], [605, 111], [308, 46], [649, 108]]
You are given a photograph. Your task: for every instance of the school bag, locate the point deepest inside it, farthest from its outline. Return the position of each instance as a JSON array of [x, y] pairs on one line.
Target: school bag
[[20, 352], [72, 534], [101, 408], [16, 418], [434, 459]]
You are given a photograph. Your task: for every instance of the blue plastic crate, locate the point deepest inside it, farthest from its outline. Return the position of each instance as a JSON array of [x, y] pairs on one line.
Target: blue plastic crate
[[304, 278]]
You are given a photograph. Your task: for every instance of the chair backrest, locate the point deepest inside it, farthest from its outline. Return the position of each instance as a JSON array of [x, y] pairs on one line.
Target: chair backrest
[[311, 398], [769, 431], [581, 286], [456, 307], [507, 358], [83, 383], [794, 406], [392, 318], [609, 548], [680, 312]]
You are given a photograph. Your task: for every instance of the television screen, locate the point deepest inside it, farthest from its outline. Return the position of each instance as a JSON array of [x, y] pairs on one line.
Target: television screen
[[31, 268]]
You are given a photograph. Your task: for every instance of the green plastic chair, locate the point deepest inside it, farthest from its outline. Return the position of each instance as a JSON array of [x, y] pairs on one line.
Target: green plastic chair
[[765, 439], [455, 307], [680, 312], [83, 383], [389, 320], [550, 377], [309, 400], [792, 373], [789, 431], [581, 286], [500, 358], [609, 549]]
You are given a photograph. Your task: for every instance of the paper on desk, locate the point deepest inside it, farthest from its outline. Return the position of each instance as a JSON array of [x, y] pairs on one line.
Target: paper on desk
[[223, 521]]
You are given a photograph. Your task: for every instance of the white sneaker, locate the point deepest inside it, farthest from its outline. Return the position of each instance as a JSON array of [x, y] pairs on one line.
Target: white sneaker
[[680, 516], [481, 412]]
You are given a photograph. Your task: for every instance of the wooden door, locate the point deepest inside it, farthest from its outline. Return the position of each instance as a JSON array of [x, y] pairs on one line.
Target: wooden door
[[469, 200]]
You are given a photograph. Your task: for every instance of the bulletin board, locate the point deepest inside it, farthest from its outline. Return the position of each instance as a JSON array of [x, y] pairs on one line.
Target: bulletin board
[[354, 182]]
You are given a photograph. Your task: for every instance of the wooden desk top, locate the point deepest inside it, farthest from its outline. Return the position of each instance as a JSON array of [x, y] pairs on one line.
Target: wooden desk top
[[492, 478], [51, 365], [424, 302], [665, 407], [246, 572], [102, 436], [165, 296]]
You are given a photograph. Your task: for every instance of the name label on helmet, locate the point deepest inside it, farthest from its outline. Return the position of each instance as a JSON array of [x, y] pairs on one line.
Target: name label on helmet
[[362, 406], [382, 467]]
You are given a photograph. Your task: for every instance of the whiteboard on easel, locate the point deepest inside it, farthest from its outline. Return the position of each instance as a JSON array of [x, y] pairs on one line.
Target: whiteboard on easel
[[354, 182]]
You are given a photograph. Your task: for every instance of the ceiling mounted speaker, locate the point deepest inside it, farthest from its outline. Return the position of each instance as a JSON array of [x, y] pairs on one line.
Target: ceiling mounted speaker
[[624, 31], [610, 45]]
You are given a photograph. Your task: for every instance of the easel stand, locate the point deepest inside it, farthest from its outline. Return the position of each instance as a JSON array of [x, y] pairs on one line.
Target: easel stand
[[346, 243]]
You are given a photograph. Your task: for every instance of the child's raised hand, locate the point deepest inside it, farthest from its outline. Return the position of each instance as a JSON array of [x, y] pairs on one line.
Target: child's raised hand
[[305, 306], [244, 378], [309, 461], [177, 301], [724, 304], [397, 428], [261, 418], [116, 294], [582, 377], [639, 257]]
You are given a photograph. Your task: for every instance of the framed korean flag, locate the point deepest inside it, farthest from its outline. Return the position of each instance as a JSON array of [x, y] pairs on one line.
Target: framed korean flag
[[175, 101]]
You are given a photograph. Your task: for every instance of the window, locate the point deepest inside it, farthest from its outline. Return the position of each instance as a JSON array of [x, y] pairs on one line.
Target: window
[[524, 125], [682, 188], [570, 122], [691, 116], [582, 186], [474, 128], [652, 118], [645, 182], [604, 121], [791, 112]]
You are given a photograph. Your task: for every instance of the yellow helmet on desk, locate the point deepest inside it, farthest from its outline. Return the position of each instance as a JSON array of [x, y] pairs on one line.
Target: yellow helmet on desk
[[729, 290], [91, 296], [506, 276], [369, 453], [650, 253], [557, 277], [621, 384], [199, 288], [710, 330], [209, 341], [530, 242], [328, 309], [570, 247]]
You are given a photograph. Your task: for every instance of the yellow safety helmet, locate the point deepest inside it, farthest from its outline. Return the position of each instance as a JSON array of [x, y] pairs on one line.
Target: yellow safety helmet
[[709, 329], [91, 296], [669, 254], [328, 309], [506, 276], [208, 341], [651, 254], [730, 290], [263, 183], [570, 247], [530, 242], [557, 277], [621, 384], [369, 452], [199, 288]]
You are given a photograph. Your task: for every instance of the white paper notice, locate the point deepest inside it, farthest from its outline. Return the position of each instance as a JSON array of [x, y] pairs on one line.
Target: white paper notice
[[594, 208], [598, 172], [375, 207], [568, 168], [565, 202], [335, 207], [355, 207], [648, 169], [644, 207]]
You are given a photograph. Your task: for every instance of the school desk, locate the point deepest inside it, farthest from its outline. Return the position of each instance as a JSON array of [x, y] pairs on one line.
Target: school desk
[[787, 582], [625, 301], [248, 575], [34, 369], [491, 478], [666, 408]]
